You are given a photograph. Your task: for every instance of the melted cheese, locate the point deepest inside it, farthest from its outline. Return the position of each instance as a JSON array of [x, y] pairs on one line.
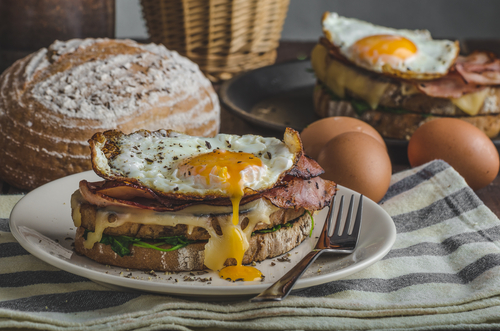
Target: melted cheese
[[471, 103], [231, 244], [76, 200], [319, 61], [339, 78]]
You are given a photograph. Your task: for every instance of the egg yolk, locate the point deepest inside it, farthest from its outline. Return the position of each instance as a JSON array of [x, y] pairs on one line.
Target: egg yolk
[[229, 169], [383, 48], [238, 272]]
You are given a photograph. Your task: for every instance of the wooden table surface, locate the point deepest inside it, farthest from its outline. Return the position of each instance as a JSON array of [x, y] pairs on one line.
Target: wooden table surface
[[230, 123]]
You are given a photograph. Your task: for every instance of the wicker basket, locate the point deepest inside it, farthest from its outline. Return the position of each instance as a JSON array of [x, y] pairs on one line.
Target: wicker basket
[[223, 37]]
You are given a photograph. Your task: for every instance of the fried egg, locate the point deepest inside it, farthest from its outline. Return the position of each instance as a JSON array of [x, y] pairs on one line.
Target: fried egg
[[177, 164], [410, 54]]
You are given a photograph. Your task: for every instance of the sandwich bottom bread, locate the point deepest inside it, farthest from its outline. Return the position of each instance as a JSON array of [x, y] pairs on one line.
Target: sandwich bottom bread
[[173, 202]]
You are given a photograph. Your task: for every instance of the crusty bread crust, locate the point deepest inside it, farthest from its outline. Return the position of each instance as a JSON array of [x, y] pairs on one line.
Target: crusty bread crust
[[394, 125], [191, 257], [54, 100], [151, 231]]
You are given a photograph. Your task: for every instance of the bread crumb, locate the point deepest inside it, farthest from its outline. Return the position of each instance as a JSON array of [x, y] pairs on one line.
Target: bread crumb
[[284, 259]]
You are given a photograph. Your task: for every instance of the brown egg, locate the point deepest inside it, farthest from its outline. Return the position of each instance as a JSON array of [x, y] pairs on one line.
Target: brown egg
[[460, 144], [359, 162], [318, 133]]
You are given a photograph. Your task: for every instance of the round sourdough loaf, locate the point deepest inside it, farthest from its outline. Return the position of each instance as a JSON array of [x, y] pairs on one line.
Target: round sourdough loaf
[[54, 100]]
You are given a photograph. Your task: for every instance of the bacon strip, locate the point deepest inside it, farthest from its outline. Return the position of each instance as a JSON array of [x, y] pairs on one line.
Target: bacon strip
[[312, 194], [306, 168]]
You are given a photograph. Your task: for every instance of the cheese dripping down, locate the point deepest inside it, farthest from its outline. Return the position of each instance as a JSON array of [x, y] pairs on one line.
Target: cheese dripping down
[[229, 172]]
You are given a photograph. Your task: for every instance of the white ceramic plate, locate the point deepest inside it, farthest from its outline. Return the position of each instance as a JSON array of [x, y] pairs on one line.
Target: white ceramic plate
[[41, 222]]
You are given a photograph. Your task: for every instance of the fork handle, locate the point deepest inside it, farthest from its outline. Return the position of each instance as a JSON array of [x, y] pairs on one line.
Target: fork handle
[[279, 290]]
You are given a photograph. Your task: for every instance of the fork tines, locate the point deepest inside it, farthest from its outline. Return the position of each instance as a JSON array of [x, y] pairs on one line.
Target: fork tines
[[345, 237]]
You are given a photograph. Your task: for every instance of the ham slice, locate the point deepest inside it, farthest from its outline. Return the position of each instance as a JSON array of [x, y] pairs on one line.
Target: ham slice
[[452, 85], [97, 194], [479, 68], [470, 74], [93, 194]]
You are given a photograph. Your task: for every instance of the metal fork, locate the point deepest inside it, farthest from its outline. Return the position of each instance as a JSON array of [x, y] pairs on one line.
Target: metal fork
[[339, 243]]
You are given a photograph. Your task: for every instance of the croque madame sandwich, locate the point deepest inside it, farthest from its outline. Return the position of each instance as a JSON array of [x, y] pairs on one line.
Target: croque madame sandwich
[[397, 79], [173, 202]]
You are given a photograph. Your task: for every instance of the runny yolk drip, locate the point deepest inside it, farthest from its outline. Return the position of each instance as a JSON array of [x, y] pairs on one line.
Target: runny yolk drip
[[229, 168], [238, 272], [383, 47]]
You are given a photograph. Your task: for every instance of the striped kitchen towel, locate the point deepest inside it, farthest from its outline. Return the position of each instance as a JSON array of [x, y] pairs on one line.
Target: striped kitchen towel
[[442, 273]]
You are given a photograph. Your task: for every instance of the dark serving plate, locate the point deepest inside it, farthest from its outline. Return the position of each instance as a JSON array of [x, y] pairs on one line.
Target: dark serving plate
[[273, 97], [280, 96]]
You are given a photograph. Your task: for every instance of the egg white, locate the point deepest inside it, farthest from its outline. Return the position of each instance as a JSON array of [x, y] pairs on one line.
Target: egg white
[[433, 58]]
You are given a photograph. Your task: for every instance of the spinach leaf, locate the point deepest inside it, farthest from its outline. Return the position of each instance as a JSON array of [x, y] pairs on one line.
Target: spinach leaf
[[359, 106], [312, 223], [276, 228], [120, 244]]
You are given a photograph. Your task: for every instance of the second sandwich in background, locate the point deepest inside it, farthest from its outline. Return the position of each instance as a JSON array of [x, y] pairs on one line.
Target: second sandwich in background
[[396, 80]]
